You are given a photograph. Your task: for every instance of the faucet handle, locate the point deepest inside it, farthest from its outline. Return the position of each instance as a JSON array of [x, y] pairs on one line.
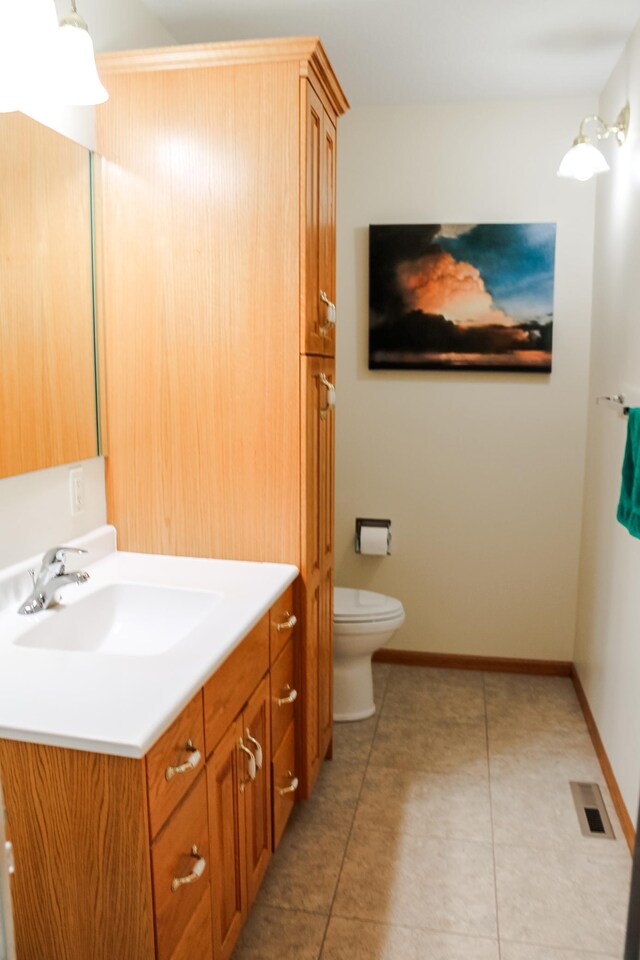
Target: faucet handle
[[59, 555], [32, 574]]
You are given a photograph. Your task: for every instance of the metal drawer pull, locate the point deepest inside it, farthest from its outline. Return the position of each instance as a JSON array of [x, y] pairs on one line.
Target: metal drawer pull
[[258, 749], [287, 624], [195, 874], [291, 696], [251, 765], [188, 765], [293, 786], [331, 399], [331, 314]]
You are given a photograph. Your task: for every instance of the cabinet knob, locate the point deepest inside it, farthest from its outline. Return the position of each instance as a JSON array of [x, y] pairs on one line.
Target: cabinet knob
[[293, 786], [188, 765], [291, 696], [287, 624], [195, 874]]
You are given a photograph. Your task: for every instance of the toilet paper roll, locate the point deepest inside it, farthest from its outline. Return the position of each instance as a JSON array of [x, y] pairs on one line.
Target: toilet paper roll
[[373, 541]]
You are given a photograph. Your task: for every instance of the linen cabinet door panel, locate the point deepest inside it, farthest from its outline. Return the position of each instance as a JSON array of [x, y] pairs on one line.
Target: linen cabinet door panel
[[326, 465], [328, 234], [325, 664], [312, 400], [226, 778], [181, 870], [311, 110], [256, 731]]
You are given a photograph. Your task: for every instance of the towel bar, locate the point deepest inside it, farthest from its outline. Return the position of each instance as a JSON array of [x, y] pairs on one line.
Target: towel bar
[[618, 400]]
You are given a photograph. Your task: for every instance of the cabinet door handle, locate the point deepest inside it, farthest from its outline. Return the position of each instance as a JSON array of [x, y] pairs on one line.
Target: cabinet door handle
[[331, 398], [331, 314], [293, 786], [195, 874], [188, 765], [258, 749], [251, 765], [288, 624], [291, 696]]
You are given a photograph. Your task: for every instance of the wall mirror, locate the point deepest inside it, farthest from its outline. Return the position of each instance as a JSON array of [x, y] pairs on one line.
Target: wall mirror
[[47, 354]]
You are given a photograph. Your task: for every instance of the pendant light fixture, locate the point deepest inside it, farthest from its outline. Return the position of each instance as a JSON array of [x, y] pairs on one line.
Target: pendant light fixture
[[584, 160], [78, 83]]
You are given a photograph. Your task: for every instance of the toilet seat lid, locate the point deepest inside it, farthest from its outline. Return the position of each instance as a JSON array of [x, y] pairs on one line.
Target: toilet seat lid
[[353, 606]]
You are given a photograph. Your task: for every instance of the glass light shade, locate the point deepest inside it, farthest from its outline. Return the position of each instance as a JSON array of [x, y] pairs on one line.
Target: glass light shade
[[78, 83], [27, 38], [582, 162]]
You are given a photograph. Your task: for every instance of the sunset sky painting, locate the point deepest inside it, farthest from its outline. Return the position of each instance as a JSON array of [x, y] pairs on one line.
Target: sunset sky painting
[[461, 296]]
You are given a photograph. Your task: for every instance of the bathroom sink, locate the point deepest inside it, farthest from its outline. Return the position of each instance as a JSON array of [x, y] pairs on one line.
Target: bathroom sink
[[125, 619]]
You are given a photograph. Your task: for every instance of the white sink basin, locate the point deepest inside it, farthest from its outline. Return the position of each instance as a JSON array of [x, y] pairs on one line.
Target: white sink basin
[[126, 619]]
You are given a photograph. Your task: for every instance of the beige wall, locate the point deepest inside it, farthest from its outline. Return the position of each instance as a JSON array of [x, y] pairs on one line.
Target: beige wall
[[481, 474], [608, 639]]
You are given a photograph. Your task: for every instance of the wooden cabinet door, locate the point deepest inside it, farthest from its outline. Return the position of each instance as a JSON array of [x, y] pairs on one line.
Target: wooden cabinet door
[[318, 270], [226, 776], [317, 566], [256, 732], [311, 339], [327, 230], [326, 469]]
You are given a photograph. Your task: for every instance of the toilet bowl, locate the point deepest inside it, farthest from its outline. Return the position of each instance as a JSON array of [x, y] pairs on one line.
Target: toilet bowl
[[363, 622]]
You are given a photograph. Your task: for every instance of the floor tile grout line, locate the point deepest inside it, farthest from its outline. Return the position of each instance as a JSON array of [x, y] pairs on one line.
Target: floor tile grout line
[[493, 839], [355, 811]]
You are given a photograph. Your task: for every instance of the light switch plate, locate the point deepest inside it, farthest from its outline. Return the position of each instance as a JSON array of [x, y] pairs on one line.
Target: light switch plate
[[76, 490]]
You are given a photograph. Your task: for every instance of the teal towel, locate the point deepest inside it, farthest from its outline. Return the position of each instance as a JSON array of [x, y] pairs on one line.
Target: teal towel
[[629, 506]]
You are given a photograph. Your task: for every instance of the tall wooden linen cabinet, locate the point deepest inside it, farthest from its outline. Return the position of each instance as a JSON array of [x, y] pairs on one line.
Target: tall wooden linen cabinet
[[216, 236]]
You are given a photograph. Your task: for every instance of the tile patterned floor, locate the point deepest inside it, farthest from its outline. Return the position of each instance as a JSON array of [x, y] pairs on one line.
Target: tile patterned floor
[[444, 829]]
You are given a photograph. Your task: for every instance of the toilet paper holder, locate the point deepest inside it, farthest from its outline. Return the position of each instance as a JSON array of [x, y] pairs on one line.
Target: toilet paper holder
[[364, 522]]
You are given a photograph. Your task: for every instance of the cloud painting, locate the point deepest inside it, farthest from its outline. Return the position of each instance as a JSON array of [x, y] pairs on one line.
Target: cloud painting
[[472, 296]]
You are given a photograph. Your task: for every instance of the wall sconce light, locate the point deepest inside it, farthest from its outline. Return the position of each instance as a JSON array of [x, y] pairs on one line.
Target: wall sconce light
[[583, 160], [78, 82], [46, 62], [27, 39]]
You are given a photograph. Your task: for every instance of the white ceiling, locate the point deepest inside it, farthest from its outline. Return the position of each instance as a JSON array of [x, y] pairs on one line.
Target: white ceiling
[[409, 51]]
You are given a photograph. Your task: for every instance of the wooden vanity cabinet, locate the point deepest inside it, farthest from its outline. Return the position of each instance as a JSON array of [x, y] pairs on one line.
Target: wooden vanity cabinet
[[216, 245], [158, 858]]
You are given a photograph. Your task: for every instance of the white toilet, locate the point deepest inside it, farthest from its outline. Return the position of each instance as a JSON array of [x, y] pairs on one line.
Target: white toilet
[[363, 622]]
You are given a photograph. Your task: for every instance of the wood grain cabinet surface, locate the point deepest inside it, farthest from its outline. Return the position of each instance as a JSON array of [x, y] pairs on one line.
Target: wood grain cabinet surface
[[217, 209], [159, 858]]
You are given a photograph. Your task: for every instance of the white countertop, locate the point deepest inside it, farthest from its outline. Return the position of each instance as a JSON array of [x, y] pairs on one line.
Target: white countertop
[[114, 703]]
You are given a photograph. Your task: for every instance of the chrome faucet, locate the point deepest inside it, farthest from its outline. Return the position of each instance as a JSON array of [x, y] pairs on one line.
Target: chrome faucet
[[53, 575]]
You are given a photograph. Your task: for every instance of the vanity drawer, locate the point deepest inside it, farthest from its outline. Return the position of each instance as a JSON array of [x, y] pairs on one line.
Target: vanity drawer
[[197, 942], [284, 783], [283, 694], [226, 693], [282, 622], [174, 762], [180, 905]]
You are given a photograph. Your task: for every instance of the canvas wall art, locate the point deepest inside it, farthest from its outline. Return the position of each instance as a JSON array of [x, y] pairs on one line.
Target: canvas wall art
[[473, 296]]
